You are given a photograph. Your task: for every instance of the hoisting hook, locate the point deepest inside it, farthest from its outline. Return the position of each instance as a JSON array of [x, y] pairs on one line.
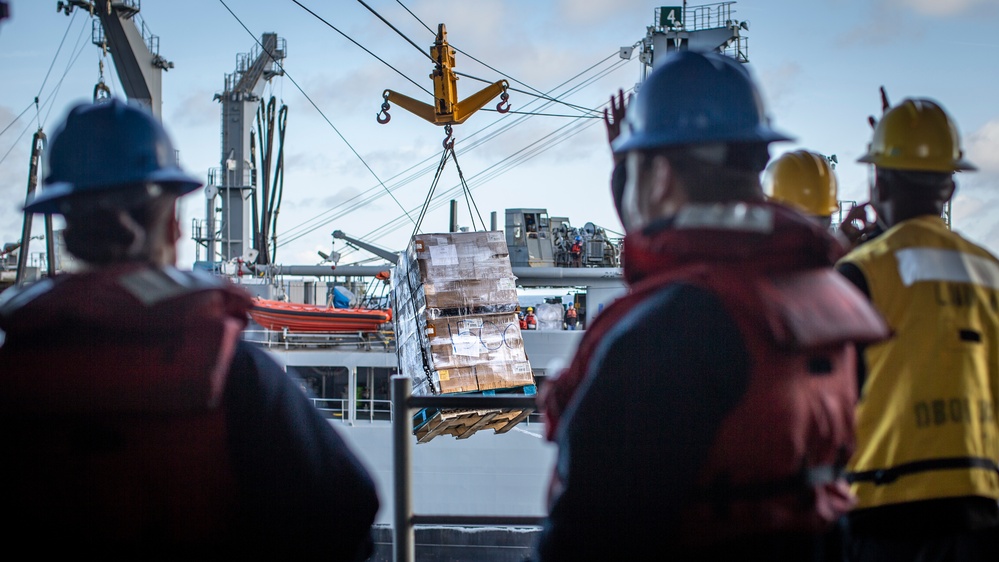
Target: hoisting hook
[[448, 141], [385, 110], [503, 106]]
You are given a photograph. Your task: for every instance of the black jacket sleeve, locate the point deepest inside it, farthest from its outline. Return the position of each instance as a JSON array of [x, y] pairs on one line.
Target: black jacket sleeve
[[854, 275], [641, 425], [303, 489]]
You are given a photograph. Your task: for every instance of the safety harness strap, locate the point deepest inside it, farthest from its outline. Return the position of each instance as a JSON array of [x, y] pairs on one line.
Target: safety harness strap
[[806, 479], [883, 476]]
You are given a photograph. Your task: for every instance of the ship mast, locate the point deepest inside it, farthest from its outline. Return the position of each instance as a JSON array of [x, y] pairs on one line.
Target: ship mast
[[233, 182], [700, 28], [119, 31]]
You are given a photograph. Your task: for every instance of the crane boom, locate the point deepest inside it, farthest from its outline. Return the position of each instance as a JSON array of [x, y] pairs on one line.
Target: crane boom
[[133, 48], [391, 257]]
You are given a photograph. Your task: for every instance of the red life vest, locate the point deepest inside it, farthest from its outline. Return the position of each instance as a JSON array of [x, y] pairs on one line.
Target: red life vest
[[798, 319], [121, 402]]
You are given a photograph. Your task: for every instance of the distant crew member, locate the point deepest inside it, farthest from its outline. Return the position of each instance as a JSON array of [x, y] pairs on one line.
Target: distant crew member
[[134, 420], [576, 252], [926, 468], [707, 414], [571, 317], [530, 320], [804, 181]]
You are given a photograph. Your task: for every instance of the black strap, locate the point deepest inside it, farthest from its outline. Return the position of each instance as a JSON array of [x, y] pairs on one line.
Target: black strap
[[883, 476], [721, 492]]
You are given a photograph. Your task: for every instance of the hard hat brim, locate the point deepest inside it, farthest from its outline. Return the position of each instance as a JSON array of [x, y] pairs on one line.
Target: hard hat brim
[[627, 143], [49, 200], [960, 165]]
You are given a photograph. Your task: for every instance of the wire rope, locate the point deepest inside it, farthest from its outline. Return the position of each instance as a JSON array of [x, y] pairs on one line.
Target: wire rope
[[55, 57], [362, 47], [308, 229], [506, 161], [401, 34], [321, 113]]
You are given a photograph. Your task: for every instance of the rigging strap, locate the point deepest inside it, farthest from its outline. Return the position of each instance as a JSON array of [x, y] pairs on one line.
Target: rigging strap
[[430, 194], [469, 200]]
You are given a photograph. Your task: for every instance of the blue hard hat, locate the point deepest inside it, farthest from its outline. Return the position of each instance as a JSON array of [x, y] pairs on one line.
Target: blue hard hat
[[696, 98], [105, 146]]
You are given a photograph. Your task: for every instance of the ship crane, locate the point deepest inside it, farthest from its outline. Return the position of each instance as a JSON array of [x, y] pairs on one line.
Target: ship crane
[[447, 110], [240, 235], [134, 49], [117, 30]]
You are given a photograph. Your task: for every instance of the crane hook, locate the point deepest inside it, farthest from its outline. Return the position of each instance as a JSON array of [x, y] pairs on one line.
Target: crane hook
[[448, 140], [503, 106], [383, 115], [385, 109]]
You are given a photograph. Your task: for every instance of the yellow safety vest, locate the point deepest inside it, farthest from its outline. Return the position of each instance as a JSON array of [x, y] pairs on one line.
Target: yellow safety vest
[[926, 419]]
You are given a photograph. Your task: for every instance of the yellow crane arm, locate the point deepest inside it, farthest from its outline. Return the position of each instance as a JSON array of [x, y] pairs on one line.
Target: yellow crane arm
[[447, 110]]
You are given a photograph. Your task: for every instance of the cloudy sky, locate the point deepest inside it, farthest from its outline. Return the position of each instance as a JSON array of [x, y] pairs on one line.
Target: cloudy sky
[[820, 64]]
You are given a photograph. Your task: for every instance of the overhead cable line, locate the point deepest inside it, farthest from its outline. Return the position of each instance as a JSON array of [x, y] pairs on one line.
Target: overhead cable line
[[19, 115], [536, 92], [80, 47], [328, 122], [401, 34], [526, 153], [543, 114], [538, 95], [414, 16], [54, 58], [305, 227], [39, 105], [522, 155], [326, 217], [365, 49]]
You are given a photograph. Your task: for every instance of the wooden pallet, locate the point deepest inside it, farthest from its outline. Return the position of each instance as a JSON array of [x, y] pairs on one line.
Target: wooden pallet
[[462, 424]]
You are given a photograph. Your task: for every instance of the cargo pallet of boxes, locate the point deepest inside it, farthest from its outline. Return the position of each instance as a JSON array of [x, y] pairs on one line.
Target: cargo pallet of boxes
[[457, 330]]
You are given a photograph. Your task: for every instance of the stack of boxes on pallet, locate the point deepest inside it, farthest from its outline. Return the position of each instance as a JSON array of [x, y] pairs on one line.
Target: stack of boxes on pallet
[[456, 325]]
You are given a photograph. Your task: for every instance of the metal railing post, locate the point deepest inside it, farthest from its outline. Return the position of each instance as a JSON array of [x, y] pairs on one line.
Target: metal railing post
[[403, 543]]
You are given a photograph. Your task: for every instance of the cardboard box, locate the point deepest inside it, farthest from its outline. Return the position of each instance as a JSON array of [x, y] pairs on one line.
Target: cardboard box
[[447, 381], [490, 376], [485, 376], [454, 297], [467, 341], [470, 294], [459, 256]]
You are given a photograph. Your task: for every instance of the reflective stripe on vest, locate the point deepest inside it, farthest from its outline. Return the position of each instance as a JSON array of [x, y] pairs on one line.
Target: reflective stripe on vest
[[933, 264]]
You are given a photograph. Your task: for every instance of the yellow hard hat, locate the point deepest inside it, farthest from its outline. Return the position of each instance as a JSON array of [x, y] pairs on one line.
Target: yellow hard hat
[[918, 135], [530, 309], [803, 180]]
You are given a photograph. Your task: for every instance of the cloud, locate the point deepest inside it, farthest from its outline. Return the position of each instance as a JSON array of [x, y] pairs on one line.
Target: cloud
[[983, 147], [584, 12], [978, 192], [779, 85], [13, 175], [944, 8], [196, 109], [884, 26]]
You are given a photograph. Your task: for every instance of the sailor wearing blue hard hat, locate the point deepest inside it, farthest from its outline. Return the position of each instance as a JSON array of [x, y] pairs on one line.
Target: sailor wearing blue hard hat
[[711, 359], [131, 410]]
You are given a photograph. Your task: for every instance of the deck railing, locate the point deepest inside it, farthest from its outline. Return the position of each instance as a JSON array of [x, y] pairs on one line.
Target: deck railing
[[404, 519]]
